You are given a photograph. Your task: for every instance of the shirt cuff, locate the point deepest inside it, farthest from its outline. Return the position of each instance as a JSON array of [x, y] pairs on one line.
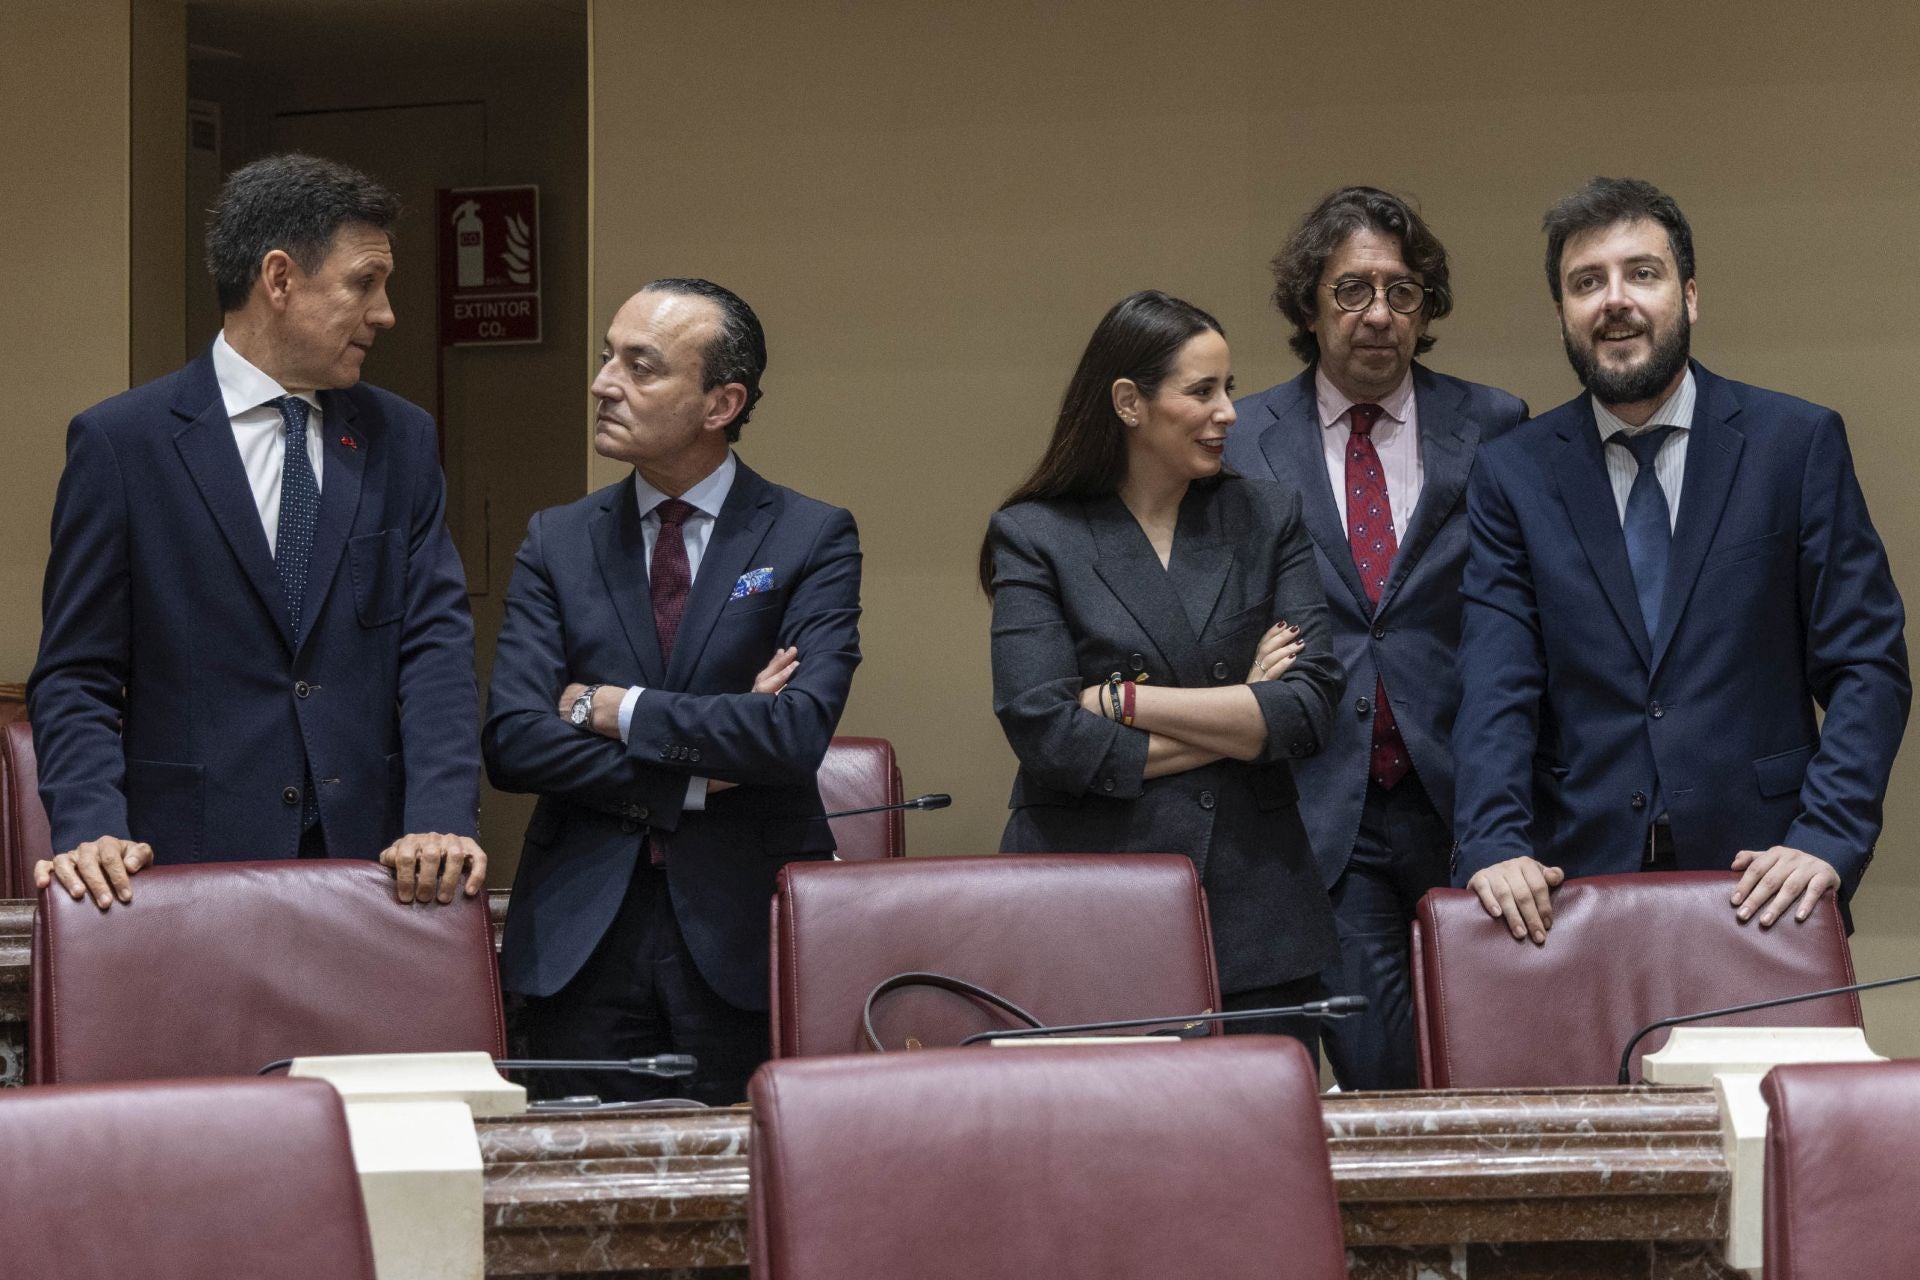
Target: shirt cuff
[[696, 801], [626, 710]]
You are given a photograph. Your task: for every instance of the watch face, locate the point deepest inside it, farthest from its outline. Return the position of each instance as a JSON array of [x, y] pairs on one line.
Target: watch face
[[582, 708]]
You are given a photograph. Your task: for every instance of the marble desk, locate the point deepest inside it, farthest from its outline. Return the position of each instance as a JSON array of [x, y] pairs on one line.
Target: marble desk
[[1625, 1184]]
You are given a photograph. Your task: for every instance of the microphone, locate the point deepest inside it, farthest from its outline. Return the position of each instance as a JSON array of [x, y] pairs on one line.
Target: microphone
[[937, 800], [1626, 1055], [665, 1065], [1332, 1007]]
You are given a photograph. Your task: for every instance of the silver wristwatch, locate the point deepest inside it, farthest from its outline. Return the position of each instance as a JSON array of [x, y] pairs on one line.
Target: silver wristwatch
[[583, 706]]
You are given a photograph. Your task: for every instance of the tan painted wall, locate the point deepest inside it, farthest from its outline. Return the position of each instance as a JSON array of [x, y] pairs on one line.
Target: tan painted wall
[[931, 207], [64, 104]]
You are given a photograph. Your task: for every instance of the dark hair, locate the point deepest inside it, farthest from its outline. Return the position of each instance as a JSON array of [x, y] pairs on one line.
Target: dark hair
[[1297, 267], [738, 354], [294, 203], [1605, 201], [1087, 456]]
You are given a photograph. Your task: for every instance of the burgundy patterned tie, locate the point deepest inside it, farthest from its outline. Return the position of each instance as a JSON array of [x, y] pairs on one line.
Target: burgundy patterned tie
[[1370, 534], [669, 576]]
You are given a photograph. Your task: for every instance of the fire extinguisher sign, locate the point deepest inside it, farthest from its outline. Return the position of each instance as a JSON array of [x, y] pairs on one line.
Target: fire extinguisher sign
[[489, 265]]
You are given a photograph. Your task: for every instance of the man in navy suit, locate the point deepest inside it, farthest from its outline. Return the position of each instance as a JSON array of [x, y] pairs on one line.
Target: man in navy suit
[[1379, 449], [255, 640], [676, 653], [1668, 576]]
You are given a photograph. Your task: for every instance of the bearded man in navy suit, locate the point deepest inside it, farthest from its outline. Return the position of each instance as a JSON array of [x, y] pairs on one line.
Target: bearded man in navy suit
[[1671, 575], [1379, 448], [676, 654], [255, 638]]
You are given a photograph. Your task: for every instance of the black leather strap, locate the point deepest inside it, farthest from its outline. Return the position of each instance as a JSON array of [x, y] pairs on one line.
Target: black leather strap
[[942, 982]]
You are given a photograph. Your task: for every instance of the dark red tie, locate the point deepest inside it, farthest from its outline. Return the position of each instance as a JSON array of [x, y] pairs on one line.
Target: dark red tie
[[1370, 534], [669, 573], [669, 576]]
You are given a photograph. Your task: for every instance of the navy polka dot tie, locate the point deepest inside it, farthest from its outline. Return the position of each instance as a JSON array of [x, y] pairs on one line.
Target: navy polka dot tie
[[299, 509], [293, 545], [1371, 535]]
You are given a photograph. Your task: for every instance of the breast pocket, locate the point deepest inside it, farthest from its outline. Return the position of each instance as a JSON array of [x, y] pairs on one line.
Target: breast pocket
[[378, 563]]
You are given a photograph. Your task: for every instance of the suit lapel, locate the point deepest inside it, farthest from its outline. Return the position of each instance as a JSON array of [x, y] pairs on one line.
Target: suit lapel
[[1446, 458], [1713, 456], [342, 469], [1127, 564], [1580, 475], [620, 550], [742, 525], [1295, 449], [1201, 558], [207, 448]]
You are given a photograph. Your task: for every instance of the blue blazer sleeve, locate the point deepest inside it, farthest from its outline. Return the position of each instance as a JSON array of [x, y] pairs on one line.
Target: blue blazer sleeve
[[527, 746], [1502, 679], [1856, 660], [76, 694]]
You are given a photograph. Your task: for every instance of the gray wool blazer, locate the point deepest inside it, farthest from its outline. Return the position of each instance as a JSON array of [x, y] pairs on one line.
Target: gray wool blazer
[[1078, 594]]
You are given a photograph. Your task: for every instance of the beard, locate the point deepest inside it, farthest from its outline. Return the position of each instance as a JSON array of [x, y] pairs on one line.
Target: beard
[[1639, 383]]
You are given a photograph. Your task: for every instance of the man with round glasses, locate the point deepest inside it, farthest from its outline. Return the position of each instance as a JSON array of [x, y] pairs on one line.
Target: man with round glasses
[[1379, 449], [1672, 574]]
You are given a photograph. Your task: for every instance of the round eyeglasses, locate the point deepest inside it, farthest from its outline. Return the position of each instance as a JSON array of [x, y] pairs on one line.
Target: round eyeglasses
[[1403, 296]]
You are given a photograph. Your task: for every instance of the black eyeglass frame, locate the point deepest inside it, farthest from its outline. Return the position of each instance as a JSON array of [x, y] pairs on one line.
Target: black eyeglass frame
[[1378, 291]]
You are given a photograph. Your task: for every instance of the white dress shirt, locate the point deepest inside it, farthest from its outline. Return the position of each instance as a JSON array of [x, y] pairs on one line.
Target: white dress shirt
[[1396, 438], [260, 431], [1669, 463], [706, 498]]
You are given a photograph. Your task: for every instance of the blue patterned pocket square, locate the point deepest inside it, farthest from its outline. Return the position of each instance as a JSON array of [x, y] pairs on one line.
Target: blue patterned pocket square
[[753, 582]]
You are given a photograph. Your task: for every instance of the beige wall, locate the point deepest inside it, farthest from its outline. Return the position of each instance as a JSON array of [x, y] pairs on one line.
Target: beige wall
[[63, 129], [931, 208]]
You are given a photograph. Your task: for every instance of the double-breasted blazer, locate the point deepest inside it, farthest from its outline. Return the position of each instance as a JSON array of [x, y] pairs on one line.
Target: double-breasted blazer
[[1078, 594]]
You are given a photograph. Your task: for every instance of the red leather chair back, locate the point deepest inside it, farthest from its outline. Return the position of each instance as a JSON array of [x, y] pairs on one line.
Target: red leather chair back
[[25, 837], [1110, 1162], [1624, 951], [1841, 1175], [222, 968], [181, 1180], [1067, 937], [856, 774]]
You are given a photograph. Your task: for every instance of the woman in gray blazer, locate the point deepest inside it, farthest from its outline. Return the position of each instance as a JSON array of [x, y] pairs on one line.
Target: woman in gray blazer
[[1161, 648]]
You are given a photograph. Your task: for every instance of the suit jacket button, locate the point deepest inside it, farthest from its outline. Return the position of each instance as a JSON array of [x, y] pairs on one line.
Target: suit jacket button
[[1219, 671], [643, 813], [1656, 711], [694, 755], [290, 796], [629, 810], [301, 689], [1136, 662], [1379, 633], [1106, 784], [1206, 799], [628, 826], [1362, 707], [1639, 799], [1297, 748]]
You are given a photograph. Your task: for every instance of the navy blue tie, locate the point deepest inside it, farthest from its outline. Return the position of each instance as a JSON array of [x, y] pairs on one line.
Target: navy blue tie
[[1648, 525], [293, 544], [299, 509]]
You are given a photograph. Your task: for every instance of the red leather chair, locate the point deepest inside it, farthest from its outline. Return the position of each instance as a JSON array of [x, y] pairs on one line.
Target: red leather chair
[[24, 834], [1067, 937], [1108, 1162], [1841, 1176], [1624, 951], [221, 968], [856, 774], [181, 1180]]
